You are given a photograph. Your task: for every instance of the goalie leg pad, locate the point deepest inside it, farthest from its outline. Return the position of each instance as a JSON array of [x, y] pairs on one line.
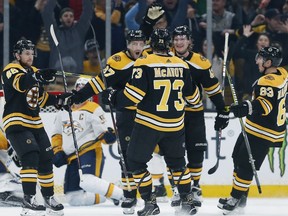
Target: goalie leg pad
[[87, 198]]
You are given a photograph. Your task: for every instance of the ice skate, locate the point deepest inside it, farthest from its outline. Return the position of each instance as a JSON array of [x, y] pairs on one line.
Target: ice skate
[[223, 201], [232, 206], [8, 199], [30, 207], [187, 206], [53, 207], [128, 205], [150, 208], [161, 193], [197, 196], [175, 200]]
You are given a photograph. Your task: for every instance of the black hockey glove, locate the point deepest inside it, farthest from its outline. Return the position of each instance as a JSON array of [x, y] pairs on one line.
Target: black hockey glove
[[222, 119], [45, 76], [64, 100], [12, 154], [109, 136], [60, 159], [154, 13], [109, 97], [242, 109]]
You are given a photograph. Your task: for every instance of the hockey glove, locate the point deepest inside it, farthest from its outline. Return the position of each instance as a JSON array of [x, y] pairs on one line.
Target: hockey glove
[[64, 100], [242, 109], [60, 159], [154, 13], [109, 97], [109, 136], [45, 76], [222, 119], [12, 154]]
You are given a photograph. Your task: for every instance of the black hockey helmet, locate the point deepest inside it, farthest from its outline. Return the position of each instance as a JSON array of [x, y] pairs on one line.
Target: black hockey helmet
[[135, 35], [160, 39], [182, 30], [22, 45], [271, 53]]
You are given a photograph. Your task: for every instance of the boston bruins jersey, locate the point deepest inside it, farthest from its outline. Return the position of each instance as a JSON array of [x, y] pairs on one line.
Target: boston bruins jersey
[[158, 86], [117, 73], [89, 123], [268, 120], [203, 76], [24, 97]]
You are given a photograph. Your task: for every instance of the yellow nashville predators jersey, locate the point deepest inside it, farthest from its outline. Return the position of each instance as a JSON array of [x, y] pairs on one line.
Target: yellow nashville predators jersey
[[160, 85], [24, 97], [269, 94]]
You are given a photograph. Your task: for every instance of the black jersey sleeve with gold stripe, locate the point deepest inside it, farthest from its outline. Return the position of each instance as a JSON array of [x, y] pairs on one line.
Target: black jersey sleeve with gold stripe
[[203, 75], [268, 119], [18, 77]]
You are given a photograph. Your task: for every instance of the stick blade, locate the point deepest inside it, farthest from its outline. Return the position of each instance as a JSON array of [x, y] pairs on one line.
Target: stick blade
[[53, 35], [213, 169]]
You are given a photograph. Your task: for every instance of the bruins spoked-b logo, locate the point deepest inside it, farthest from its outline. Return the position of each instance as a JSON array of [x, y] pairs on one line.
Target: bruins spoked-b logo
[[32, 97]]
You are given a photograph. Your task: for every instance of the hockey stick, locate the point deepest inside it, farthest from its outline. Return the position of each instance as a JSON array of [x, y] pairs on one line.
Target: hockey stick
[[53, 35], [69, 74], [251, 160], [122, 161], [219, 133]]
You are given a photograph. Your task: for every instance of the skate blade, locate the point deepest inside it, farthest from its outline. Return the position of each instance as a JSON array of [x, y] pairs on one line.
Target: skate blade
[[29, 212], [128, 211], [236, 211], [162, 199], [50, 212]]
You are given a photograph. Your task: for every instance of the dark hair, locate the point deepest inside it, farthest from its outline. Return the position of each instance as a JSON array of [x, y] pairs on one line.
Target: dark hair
[[64, 10]]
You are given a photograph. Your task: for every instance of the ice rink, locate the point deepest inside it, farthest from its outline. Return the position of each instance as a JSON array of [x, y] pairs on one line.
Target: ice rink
[[255, 207]]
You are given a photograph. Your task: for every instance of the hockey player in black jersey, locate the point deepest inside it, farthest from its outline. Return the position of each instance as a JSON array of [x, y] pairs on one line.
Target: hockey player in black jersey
[[24, 95], [160, 85], [118, 72], [203, 76], [265, 124]]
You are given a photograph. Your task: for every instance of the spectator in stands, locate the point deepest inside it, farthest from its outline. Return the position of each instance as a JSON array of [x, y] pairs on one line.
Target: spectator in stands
[[91, 66], [249, 70], [71, 35], [118, 42], [223, 21]]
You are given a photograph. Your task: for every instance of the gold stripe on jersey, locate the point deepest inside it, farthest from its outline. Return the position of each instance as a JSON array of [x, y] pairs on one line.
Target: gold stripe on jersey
[[16, 81], [241, 184], [263, 132], [194, 108], [195, 98], [23, 120], [158, 123], [133, 93], [99, 159], [110, 190], [120, 61], [266, 105], [184, 179], [97, 84], [213, 90], [3, 140], [43, 99], [199, 62]]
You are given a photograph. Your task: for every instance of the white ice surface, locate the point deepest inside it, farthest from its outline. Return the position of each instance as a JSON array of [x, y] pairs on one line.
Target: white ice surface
[[255, 207]]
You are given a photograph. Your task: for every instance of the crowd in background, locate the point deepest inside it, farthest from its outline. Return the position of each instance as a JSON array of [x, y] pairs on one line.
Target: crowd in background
[[251, 24]]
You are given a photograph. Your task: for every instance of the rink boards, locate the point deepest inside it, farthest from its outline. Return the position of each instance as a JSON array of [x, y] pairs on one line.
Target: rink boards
[[273, 175]]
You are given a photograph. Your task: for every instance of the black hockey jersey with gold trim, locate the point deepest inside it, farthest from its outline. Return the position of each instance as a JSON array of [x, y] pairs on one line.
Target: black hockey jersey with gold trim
[[24, 97], [269, 95], [159, 86], [204, 77]]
